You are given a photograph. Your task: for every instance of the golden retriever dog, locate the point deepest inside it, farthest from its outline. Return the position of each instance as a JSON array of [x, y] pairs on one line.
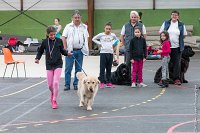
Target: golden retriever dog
[[87, 89]]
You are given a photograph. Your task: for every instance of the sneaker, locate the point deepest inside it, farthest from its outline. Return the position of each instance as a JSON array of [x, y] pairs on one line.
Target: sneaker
[[142, 85], [66, 88], [102, 85], [133, 85], [109, 85], [54, 105], [177, 82], [160, 83]]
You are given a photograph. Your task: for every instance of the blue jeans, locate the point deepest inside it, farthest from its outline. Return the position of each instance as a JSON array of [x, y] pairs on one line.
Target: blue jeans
[[69, 62]]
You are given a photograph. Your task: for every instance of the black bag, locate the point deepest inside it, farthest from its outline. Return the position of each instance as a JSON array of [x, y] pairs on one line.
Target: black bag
[[33, 48], [9, 47]]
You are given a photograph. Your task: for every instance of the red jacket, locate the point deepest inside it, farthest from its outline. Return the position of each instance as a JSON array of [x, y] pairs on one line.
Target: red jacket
[[166, 48]]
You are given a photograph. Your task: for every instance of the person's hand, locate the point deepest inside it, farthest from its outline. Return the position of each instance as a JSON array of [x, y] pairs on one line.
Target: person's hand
[[132, 61], [70, 54], [37, 61], [159, 51], [121, 44], [144, 60], [117, 61]]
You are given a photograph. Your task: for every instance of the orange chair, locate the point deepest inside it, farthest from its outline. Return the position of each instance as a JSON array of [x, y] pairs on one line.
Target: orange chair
[[8, 60]]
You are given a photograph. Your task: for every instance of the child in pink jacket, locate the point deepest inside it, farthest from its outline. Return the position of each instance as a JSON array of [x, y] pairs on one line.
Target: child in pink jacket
[[165, 51]]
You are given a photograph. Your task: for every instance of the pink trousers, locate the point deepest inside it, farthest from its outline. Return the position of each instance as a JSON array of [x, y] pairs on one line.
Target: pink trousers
[[53, 80], [137, 67]]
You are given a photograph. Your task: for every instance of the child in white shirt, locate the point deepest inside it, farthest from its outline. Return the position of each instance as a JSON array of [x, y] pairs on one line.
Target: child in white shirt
[[106, 40]]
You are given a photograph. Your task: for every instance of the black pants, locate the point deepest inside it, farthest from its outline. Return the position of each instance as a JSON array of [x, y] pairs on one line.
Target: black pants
[[106, 60], [175, 59], [127, 61]]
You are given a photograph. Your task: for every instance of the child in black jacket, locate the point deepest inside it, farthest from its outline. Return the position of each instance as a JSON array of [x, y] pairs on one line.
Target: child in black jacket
[[137, 56], [53, 48]]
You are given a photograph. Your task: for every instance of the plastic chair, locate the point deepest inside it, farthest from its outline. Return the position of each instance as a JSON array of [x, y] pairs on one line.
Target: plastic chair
[[8, 60], [12, 41]]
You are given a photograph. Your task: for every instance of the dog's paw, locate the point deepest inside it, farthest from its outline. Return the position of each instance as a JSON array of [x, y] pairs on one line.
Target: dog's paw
[[89, 108], [81, 104], [185, 81]]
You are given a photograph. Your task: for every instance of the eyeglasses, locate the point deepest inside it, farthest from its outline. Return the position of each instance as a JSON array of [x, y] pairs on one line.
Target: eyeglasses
[[174, 14]]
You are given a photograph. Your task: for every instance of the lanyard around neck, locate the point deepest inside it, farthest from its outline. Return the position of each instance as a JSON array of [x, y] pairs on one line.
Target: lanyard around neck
[[51, 50]]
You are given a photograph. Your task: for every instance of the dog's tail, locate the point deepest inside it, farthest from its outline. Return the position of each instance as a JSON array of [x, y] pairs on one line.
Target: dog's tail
[[80, 75]]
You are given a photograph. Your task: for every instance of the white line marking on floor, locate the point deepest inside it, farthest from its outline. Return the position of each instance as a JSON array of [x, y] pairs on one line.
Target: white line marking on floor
[[36, 125], [82, 117], [93, 114], [21, 127], [53, 122], [22, 89], [104, 112], [13, 85], [3, 130], [124, 108], [22, 115], [6, 111]]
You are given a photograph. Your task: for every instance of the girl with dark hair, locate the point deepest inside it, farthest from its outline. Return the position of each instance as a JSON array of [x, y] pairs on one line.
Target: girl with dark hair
[[105, 40], [165, 51], [137, 57], [53, 48]]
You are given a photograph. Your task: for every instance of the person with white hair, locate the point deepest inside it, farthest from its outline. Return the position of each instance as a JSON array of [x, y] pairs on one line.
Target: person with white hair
[[127, 33]]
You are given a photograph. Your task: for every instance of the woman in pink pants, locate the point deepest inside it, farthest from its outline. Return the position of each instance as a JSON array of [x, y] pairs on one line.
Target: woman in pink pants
[[53, 48]]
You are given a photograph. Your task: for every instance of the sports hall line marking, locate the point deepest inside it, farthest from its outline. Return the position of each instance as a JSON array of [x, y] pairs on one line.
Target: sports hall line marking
[[22, 115], [82, 117], [114, 110], [3, 130], [12, 86], [23, 89], [6, 111], [36, 125], [171, 129], [136, 104], [103, 117], [91, 116], [21, 127]]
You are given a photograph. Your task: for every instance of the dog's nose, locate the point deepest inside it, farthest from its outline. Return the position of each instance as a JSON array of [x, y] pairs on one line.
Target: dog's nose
[[91, 90]]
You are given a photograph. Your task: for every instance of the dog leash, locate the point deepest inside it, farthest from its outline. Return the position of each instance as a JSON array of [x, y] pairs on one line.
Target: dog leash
[[79, 64]]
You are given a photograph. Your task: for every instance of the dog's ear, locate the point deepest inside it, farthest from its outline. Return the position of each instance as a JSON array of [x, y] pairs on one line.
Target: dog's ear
[[97, 81]]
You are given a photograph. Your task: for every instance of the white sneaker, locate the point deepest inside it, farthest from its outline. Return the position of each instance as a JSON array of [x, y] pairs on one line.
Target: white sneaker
[[133, 85], [142, 85]]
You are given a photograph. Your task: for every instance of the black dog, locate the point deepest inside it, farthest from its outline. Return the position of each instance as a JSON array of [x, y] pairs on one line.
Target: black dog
[[185, 59], [121, 76]]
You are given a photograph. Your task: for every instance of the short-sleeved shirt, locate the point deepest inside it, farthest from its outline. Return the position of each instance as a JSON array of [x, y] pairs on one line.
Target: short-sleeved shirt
[[77, 37]]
